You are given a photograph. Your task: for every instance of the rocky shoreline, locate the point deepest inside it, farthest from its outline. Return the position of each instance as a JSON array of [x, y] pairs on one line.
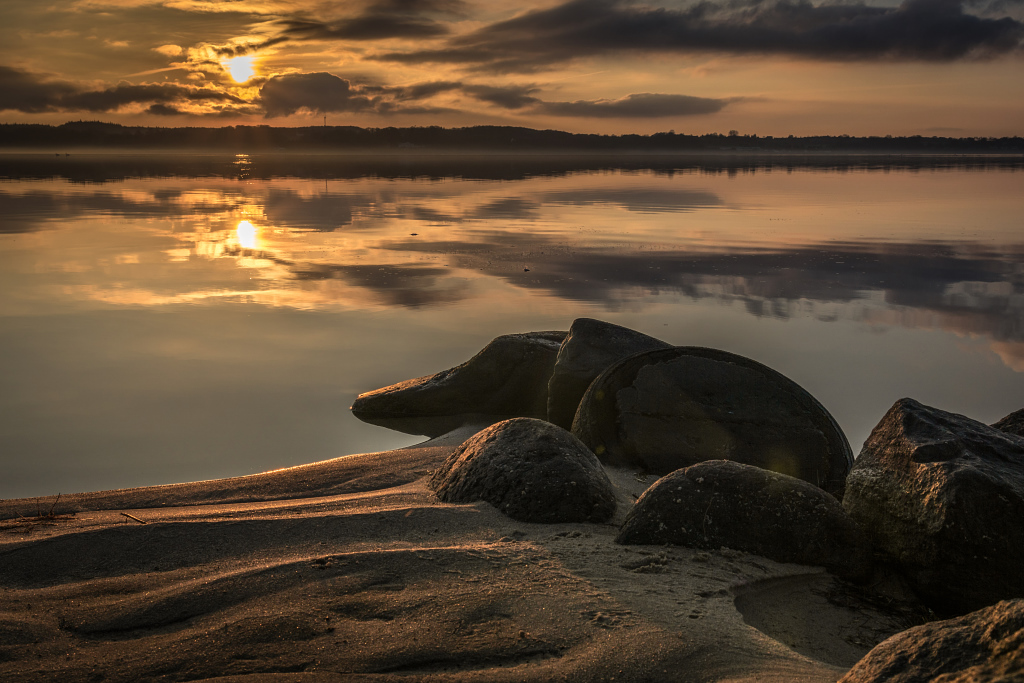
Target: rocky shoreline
[[752, 462], [594, 504]]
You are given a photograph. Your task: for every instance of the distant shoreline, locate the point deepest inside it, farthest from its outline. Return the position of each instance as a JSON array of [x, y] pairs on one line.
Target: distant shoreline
[[92, 137], [107, 165]]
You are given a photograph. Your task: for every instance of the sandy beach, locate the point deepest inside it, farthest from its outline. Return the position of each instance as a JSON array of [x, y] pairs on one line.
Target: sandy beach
[[351, 569]]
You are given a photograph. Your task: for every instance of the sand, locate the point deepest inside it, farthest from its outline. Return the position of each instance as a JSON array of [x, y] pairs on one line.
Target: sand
[[351, 570]]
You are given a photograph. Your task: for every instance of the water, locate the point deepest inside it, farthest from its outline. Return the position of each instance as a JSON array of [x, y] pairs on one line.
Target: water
[[183, 318]]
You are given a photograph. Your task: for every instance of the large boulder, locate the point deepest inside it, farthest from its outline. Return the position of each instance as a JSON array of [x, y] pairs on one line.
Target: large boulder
[[590, 347], [529, 469], [1011, 424], [987, 645], [508, 378], [943, 496], [723, 503], [666, 409]]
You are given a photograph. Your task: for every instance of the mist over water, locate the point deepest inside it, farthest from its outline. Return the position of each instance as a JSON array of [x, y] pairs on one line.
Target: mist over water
[[177, 318]]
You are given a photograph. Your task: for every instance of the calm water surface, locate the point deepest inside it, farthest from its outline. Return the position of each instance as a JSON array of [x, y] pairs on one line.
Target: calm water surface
[[183, 319]]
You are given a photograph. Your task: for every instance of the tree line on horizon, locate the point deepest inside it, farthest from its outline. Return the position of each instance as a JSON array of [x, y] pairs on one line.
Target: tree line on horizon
[[505, 138]]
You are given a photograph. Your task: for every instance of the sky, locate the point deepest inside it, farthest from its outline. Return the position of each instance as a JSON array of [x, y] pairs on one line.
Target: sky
[[764, 67]]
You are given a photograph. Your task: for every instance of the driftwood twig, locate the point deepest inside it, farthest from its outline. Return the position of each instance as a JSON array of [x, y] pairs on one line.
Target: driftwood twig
[[133, 517]]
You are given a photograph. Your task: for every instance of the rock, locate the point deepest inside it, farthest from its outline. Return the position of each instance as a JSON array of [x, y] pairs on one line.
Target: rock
[[987, 645], [943, 496], [667, 409], [1011, 424], [529, 469], [508, 378], [592, 345], [723, 503]]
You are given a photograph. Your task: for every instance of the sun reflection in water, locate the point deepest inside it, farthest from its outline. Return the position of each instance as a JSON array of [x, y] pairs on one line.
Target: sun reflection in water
[[246, 233]]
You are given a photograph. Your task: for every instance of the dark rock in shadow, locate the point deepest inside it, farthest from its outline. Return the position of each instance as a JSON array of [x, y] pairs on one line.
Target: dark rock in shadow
[[722, 503], [667, 409], [1012, 423], [943, 496], [531, 470], [508, 378], [592, 345], [987, 645]]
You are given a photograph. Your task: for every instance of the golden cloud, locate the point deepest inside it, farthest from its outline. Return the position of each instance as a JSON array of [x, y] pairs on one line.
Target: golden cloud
[[169, 50]]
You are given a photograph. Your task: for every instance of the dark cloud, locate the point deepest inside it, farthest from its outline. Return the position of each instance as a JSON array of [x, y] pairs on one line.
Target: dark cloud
[[163, 110], [367, 27], [997, 8], [916, 30], [641, 105], [517, 97], [23, 91], [509, 97], [32, 93], [379, 20], [324, 92], [125, 93], [240, 49], [421, 91], [320, 92]]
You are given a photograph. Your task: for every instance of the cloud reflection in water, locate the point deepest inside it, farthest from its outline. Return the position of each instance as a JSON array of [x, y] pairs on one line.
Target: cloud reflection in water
[[606, 240]]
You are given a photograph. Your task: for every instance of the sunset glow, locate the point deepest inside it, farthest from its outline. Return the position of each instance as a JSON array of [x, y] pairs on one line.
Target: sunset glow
[[779, 68]]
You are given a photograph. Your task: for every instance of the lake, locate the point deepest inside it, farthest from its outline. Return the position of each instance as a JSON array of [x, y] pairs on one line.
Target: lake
[[180, 317]]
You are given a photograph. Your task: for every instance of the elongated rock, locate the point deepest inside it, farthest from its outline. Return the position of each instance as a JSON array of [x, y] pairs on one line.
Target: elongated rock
[[722, 503], [507, 378], [590, 347], [666, 409], [943, 496], [529, 469]]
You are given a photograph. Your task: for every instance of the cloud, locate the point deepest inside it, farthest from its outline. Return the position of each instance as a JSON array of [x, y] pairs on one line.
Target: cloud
[[509, 97], [426, 90], [916, 30], [379, 20], [320, 92], [22, 91], [169, 50], [521, 97], [366, 27], [31, 93], [641, 105], [324, 92], [123, 94]]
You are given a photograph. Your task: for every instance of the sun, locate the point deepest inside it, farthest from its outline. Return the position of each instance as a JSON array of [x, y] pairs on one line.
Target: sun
[[241, 68]]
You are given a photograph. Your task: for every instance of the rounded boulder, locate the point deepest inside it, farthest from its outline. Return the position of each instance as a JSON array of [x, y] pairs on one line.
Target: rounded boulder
[[529, 469], [666, 409], [722, 503]]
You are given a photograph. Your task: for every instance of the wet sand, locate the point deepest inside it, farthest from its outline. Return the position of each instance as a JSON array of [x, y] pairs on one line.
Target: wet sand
[[351, 570]]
